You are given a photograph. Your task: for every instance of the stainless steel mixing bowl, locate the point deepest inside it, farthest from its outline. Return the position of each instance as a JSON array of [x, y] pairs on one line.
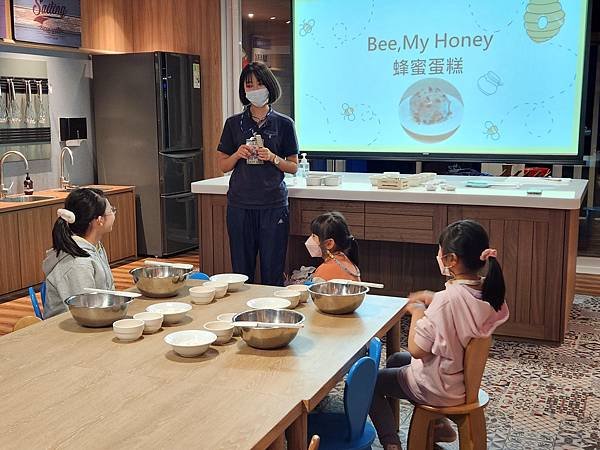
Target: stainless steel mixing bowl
[[97, 310], [272, 337], [337, 298], [159, 281]]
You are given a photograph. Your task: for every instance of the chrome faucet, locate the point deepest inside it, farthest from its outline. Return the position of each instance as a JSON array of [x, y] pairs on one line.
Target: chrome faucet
[[64, 182], [3, 190]]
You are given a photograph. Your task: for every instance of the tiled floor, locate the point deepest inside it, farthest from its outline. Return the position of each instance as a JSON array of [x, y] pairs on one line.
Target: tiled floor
[[542, 397]]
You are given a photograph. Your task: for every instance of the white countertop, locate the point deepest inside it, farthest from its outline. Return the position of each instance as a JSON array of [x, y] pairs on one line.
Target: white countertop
[[557, 193]]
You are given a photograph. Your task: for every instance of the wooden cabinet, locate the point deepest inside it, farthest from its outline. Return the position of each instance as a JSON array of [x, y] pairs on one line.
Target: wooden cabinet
[[121, 243], [303, 211], [403, 222], [398, 244], [35, 238], [10, 271]]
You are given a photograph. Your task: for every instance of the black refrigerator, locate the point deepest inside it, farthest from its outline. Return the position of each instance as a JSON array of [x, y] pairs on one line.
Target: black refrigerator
[[148, 135]]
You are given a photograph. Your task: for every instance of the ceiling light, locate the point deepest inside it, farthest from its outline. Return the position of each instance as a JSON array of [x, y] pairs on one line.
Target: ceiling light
[[251, 15], [273, 18], [289, 21]]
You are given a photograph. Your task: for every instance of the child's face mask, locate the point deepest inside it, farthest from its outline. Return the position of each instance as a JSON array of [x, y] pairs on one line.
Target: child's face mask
[[443, 269], [313, 247]]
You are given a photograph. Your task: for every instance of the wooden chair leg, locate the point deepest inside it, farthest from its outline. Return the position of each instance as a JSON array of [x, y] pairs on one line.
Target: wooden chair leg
[[464, 432], [420, 433], [478, 429]]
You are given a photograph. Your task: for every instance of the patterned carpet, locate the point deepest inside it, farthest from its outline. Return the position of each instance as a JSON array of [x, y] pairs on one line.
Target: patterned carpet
[[542, 397]]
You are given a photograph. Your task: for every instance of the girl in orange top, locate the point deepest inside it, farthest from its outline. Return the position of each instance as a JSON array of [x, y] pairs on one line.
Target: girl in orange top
[[332, 241]]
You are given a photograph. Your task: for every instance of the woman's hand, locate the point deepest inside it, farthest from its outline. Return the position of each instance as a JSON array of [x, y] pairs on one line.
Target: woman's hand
[[264, 154], [243, 152], [424, 297]]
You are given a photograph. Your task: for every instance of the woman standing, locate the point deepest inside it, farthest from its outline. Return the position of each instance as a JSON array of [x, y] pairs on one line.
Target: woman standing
[[257, 200]]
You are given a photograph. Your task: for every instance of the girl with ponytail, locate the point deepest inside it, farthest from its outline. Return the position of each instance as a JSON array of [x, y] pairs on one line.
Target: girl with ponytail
[[332, 241], [78, 259], [442, 324]]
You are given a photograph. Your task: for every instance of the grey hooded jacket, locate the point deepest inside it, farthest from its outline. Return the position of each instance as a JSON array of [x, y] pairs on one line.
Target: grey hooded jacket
[[67, 275]]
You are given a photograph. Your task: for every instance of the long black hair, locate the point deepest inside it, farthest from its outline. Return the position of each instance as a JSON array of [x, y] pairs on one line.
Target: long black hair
[[264, 76], [333, 225], [467, 239], [87, 205]]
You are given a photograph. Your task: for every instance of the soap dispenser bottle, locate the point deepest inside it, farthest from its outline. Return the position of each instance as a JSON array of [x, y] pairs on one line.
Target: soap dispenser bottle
[[303, 166], [28, 185]]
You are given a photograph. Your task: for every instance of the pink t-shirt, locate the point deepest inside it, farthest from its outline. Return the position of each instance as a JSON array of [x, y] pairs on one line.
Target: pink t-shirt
[[455, 316]]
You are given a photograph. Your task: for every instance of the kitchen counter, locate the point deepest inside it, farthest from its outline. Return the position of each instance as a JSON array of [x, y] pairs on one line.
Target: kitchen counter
[[58, 196], [557, 193], [398, 230]]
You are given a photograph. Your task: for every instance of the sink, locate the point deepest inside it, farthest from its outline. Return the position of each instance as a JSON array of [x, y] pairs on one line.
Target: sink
[[24, 198]]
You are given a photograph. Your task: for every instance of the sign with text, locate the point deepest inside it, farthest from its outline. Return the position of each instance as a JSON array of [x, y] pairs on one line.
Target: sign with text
[[54, 22]]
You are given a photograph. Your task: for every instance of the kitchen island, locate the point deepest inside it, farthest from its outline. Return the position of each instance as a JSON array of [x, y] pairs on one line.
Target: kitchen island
[[535, 235]]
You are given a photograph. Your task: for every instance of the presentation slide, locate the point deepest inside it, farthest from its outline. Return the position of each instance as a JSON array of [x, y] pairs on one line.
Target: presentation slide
[[460, 77]]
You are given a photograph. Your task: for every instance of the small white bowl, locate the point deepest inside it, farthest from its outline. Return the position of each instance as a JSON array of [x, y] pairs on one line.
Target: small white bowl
[[220, 287], [303, 289], [269, 303], [128, 329], [228, 317], [173, 312], [202, 295], [190, 343], [152, 321], [223, 330], [333, 180], [235, 280], [288, 294], [314, 180]]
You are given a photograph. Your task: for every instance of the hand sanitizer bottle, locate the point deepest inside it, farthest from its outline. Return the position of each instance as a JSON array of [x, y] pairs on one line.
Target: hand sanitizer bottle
[[303, 167]]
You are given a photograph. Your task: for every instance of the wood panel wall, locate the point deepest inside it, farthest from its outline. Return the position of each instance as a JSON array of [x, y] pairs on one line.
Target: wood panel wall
[[183, 26]]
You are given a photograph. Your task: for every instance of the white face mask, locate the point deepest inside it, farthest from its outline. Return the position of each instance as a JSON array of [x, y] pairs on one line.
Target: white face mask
[[258, 97], [443, 269], [313, 247]]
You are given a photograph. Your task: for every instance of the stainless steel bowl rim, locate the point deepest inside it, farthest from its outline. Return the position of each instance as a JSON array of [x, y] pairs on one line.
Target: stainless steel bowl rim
[[69, 301], [303, 318], [310, 289]]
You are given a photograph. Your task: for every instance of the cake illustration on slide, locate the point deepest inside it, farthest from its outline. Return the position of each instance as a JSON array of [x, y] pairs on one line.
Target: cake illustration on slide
[[431, 110], [430, 105]]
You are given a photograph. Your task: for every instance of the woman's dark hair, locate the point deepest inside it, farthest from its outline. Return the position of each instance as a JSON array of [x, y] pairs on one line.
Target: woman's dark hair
[[467, 239], [333, 225], [87, 204], [265, 77]]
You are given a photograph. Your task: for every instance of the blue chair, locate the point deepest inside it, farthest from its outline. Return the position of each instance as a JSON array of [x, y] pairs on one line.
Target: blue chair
[[34, 302], [349, 430], [375, 351], [198, 276]]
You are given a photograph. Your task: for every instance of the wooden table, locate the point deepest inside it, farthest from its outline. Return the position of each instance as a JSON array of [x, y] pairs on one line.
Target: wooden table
[[65, 386]]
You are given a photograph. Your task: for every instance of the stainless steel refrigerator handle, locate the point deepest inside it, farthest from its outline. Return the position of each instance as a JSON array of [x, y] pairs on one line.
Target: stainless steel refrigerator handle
[[180, 155]]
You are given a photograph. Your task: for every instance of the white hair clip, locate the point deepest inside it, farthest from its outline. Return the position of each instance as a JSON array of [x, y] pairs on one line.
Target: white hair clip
[[66, 215]]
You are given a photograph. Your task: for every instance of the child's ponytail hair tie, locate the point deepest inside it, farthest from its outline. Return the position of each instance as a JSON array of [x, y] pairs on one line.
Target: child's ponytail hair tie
[[488, 253]]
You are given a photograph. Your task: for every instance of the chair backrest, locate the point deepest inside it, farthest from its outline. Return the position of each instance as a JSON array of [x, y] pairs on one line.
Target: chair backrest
[[375, 351], [25, 322], [34, 304], [358, 393], [476, 355], [314, 442], [43, 294], [198, 276]]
